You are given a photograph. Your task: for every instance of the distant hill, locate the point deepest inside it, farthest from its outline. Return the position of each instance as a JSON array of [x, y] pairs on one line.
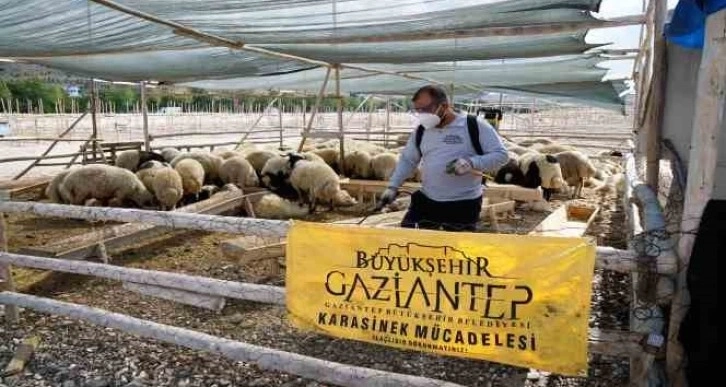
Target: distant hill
[[14, 70]]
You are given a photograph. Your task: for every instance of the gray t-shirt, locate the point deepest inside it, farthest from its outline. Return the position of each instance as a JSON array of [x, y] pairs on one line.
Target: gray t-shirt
[[440, 146]]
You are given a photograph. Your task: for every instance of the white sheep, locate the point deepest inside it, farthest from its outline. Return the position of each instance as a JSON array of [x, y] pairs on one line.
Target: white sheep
[[226, 154], [258, 158], [576, 170], [542, 141], [169, 154], [210, 163], [105, 183], [331, 156], [383, 165], [551, 149], [192, 175], [168, 187], [52, 191], [310, 156], [358, 165], [132, 159], [520, 150], [317, 182], [238, 171], [271, 206]]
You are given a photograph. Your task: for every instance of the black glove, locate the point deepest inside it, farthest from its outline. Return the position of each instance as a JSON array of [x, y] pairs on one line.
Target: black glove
[[387, 197]]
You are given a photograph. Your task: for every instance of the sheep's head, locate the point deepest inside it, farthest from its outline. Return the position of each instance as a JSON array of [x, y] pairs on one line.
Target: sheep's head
[[142, 197], [252, 180]]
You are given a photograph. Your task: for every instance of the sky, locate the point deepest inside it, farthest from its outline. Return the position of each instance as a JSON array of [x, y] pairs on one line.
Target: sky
[[620, 37]]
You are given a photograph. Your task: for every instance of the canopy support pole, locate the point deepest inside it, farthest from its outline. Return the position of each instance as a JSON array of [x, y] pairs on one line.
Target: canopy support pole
[[145, 116], [707, 123], [313, 112], [652, 131], [341, 130]]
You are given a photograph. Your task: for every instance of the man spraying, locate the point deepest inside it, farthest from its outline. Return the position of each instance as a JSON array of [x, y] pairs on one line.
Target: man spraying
[[453, 149]]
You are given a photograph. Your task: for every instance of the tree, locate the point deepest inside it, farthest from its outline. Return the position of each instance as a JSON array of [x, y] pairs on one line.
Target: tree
[[4, 91]]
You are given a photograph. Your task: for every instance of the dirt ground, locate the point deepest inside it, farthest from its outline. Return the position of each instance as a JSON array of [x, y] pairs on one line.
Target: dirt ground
[[74, 353]]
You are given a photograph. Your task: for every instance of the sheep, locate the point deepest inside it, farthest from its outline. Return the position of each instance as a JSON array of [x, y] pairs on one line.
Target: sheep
[[169, 154], [192, 175], [576, 170], [237, 170], [226, 154], [168, 187], [551, 149], [52, 191], [210, 163], [383, 165], [358, 165], [276, 175], [528, 143], [272, 206], [258, 158], [519, 150], [331, 156], [371, 149], [310, 156], [131, 159], [317, 182], [541, 170], [105, 183], [153, 164], [510, 173]]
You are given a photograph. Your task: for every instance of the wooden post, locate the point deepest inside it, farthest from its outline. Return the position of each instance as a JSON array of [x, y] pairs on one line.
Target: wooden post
[[259, 118], [707, 127], [369, 126], [279, 115], [313, 112], [387, 128], [655, 121], [341, 130], [6, 274], [94, 113], [145, 115]]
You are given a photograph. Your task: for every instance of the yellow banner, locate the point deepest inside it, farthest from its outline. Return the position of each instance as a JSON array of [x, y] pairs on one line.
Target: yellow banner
[[518, 300]]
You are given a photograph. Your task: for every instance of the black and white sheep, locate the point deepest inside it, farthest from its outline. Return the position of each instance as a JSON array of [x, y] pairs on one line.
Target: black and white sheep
[[106, 183], [276, 175], [541, 171]]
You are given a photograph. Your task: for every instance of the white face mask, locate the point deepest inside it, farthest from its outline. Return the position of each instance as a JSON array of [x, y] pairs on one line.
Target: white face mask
[[428, 120]]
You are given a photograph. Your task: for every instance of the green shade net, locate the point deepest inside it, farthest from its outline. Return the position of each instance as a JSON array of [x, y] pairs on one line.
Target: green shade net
[[412, 36]]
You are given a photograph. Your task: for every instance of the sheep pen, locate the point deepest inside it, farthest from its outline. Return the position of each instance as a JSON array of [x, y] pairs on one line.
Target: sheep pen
[[102, 356]]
